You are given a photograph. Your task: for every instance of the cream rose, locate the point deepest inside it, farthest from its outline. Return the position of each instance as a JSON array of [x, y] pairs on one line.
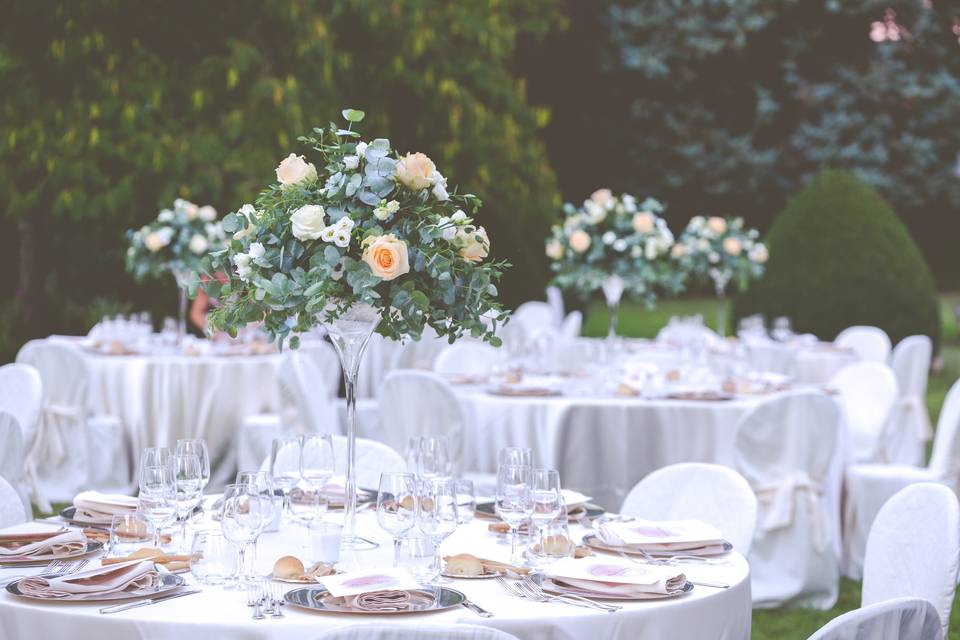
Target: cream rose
[[208, 213], [198, 244], [643, 222], [294, 170], [308, 222], [156, 241], [601, 196], [386, 256], [759, 253], [717, 224], [579, 240], [414, 171], [678, 251], [555, 250], [474, 243], [732, 246]]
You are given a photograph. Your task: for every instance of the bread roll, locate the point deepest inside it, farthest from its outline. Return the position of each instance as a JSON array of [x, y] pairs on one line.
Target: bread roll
[[464, 564], [287, 567]]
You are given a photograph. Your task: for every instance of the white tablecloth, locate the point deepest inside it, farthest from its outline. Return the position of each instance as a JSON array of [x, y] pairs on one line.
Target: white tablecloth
[[705, 614]]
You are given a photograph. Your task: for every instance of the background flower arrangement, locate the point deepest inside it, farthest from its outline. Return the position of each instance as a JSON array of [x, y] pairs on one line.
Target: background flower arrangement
[[175, 242], [719, 250], [365, 227], [614, 236]]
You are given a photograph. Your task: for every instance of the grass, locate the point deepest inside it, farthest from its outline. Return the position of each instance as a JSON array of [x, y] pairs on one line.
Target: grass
[[794, 624]]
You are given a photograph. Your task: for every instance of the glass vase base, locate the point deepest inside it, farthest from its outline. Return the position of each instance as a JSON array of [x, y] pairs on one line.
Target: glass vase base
[[356, 542]]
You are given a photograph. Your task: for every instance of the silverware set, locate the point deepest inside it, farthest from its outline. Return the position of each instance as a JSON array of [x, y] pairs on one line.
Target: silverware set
[[650, 560], [266, 598], [56, 569], [529, 590]]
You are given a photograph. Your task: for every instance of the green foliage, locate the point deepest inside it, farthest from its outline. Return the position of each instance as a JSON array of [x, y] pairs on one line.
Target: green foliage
[[839, 256], [175, 242]]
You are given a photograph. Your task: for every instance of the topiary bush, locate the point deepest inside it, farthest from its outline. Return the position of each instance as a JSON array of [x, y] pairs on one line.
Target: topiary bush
[[840, 256]]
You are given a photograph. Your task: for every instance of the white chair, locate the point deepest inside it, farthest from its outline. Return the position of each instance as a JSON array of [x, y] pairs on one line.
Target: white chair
[[12, 455], [775, 357], [868, 391], [911, 365], [373, 458], [419, 354], [466, 357], [711, 493], [535, 315], [416, 632], [914, 549], [21, 393], [555, 300], [72, 448], [869, 486], [572, 325], [871, 344], [11, 508], [896, 619], [784, 448]]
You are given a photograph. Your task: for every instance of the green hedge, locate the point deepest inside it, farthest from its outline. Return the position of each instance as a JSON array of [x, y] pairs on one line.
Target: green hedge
[[839, 256]]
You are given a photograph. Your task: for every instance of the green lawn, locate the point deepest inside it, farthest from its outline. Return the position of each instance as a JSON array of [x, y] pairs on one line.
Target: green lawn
[[792, 624]]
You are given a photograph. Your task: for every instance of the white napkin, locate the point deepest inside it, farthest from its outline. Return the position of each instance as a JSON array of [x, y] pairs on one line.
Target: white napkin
[[93, 506], [134, 576], [32, 531], [359, 582], [574, 498], [665, 535], [72, 541], [614, 576]]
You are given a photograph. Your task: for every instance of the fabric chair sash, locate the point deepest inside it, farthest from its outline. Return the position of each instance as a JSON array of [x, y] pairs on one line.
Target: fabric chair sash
[[48, 444], [779, 502]]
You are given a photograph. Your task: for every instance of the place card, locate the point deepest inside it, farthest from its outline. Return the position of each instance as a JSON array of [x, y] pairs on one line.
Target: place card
[[357, 582], [663, 533]]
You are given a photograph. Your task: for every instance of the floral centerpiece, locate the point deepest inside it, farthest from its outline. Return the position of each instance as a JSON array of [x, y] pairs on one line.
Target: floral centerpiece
[[720, 250], [365, 239], [175, 243], [617, 244]]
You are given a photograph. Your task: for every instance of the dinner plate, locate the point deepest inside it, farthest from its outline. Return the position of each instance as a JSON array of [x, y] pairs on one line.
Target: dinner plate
[[68, 514], [168, 582], [591, 511], [594, 542], [550, 586], [313, 598], [41, 561]]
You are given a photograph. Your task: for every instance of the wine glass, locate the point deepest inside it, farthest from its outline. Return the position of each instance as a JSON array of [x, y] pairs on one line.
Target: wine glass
[[515, 455], [157, 500], [241, 520], [154, 457], [433, 457], [262, 483], [514, 503], [317, 464], [438, 515], [285, 467], [188, 486], [397, 507], [197, 447], [547, 498]]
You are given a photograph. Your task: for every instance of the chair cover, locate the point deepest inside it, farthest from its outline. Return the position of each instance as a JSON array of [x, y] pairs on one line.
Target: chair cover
[[21, 393], [11, 508], [535, 315], [12, 468], [911, 365], [868, 391], [420, 403], [784, 448], [555, 300], [914, 549], [870, 343], [373, 458], [896, 619], [711, 493], [869, 486], [571, 326], [467, 357], [310, 378], [418, 354], [419, 632], [766, 355]]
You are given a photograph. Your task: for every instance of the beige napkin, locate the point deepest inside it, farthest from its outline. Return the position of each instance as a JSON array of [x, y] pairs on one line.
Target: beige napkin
[[133, 576], [29, 532], [612, 576], [63, 544], [99, 508]]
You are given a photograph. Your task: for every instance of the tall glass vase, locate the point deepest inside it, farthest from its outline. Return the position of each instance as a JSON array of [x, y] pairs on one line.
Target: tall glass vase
[[183, 282], [613, 291], [349, 334], [720, 280]]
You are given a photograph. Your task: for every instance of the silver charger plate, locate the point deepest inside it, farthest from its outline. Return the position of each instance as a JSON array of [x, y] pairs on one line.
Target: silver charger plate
[[590, 511], [92, 547], [310, 598], [68, 514], [594, 542], [551, 587], [168, 582]]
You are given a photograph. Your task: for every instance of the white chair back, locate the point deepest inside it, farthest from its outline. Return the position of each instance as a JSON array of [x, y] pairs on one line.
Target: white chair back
[[11, 508], [868, 391], [555, 300], [870, 343], [373, 458], [12, 456], [21, 393], [945, 458], [784, 449], [914, 549], [896, 619], [420, 403], [911, 365], [467, 358], [416, 632], [572, 325], [535, 315], [418, 354], [711, 493], [309, 378], [767, 355]]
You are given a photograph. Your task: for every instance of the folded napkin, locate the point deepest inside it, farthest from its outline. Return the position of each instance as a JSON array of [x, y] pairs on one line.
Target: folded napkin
[[613, 576], [29, 532], [66, 543], [666, 535], [574, 498], [135, 577], [99, 508]]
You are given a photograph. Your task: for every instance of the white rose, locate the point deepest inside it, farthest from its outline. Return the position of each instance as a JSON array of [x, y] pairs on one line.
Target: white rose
[[555, 250], [629, 203], [344, 224], [327, 235], [447, 228], [381, 213], [714, 257], [242, 261], [341, 238], [439, 186], [361, 148], [759, 253], [294, 170], [249, 211], [620, 245], [351, 162], [308, 222], [393, 206], [650, 250], [703, 245], [155, 241], [256, 250], [165, 216], [608, 237], [208, 213], [198, 244]]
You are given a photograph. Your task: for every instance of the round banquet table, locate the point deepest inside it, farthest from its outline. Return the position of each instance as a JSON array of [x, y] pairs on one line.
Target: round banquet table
[[706, 613]]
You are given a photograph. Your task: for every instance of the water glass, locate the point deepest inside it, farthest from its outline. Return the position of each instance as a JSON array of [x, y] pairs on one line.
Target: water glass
[[317, 464], [157, 501], [260, 482], [188, 485], [417, 554], [128, 533], [325, 541], [242, 516], [212, 559], [430, 457], [438, 514], [553, 542], [547, 497], [515, 456], [466, 501], [154, 457], [285, 467], [514, 501], [397, 507], [196, 447]]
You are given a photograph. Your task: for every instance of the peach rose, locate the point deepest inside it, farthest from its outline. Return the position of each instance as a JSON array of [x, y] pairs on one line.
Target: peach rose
[[580, 241], [733, 246], [386, 256], [643, 222], [602, 196], [678, 251], [555, 250], [759, 253], [414, 171], [474, 243], [717, 224], [295, 169]]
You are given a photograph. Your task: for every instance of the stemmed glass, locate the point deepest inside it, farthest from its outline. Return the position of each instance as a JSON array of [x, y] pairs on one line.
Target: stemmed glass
[[157, 500], [515, 455], [285, 468], [154, 457], [196, 447], [514, 502], [438, 515], [317, 465], [262, 483], [241, 520], [188, 486], [547, 500], [429, 457], [397, 507]]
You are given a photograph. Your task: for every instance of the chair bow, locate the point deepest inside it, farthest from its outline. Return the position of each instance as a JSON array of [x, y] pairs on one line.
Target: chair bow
[[48, 444], [780, 501]]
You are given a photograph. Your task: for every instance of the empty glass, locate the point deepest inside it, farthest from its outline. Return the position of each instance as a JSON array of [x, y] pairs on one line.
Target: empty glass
[[417, 554], [317, 465], [154, 456], [188, 486], [515, 456], [325, 541], [547, 498], [466, 501], [552, 542], [212, 559], [197, 447], [438, 514], [241, 520], [128, 533], [514, 502], [397, 507], [430, 457], [285, 467], [260, 482], [157, 500]]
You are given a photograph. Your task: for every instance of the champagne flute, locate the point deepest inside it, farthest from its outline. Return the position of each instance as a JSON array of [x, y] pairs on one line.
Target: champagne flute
[[438, 515], [157, 500], [241, 518], [285, 468], [397, 507], [317, 465], [514, 502], [188, 489]]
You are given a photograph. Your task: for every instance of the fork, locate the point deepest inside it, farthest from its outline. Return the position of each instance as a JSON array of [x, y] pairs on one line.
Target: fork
[[532, 587], [664, 563], [56, 569], [276, 596], [515, 589]]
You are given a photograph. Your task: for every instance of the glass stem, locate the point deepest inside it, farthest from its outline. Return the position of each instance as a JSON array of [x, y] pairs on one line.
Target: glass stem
[[350, 508], [514, 534], [396, 551], [721, 311], [242, 564], [182, 305], [612, 330]]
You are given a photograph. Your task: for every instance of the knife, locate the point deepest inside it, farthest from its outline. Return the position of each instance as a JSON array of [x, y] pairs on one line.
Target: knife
[[143, 603], [480, 611]]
